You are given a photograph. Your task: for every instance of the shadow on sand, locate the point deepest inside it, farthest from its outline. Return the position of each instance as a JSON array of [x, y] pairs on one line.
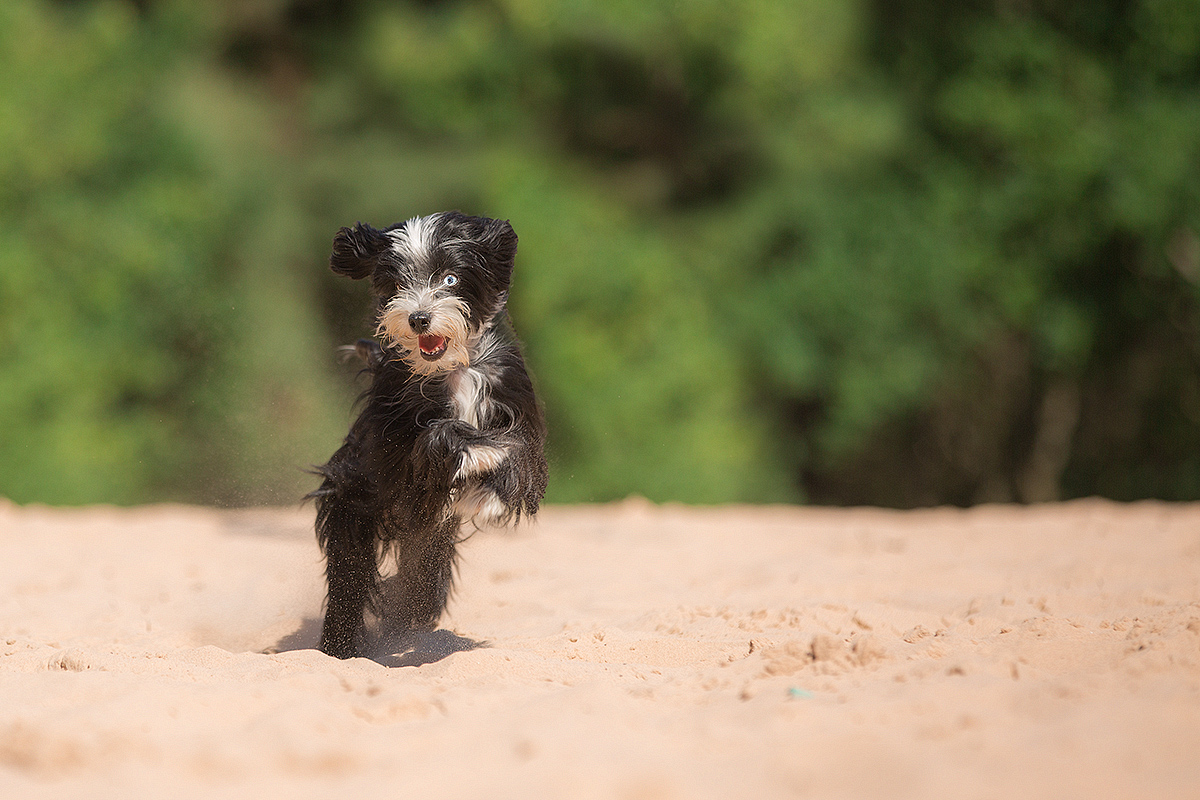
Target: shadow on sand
[[389, 648], [415, 648]]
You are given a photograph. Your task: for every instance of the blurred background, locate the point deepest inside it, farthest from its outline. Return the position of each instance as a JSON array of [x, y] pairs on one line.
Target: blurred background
[[895, 252]]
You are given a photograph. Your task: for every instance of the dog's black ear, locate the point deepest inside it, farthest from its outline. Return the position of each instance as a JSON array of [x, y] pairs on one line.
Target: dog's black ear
[[493, 239], [499, 240], [356, 250]]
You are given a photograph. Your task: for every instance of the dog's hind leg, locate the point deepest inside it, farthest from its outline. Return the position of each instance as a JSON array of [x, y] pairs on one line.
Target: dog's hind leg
[[347, 535], [425, 577]]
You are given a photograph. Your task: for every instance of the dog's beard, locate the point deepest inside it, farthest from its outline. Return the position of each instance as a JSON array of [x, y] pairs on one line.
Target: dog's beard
[[444, 345]]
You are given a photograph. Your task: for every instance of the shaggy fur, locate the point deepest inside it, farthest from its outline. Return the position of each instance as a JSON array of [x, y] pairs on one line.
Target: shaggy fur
[[450, 430]]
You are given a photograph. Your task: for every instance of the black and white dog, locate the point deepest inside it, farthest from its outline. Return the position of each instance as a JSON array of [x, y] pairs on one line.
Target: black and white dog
[[450, 430]]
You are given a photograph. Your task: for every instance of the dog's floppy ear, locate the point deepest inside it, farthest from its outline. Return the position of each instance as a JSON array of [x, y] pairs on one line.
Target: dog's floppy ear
[[493, 239], [500, 241], [356, 250]]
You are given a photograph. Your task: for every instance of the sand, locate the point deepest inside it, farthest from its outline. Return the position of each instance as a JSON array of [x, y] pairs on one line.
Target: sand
[[623, 651]]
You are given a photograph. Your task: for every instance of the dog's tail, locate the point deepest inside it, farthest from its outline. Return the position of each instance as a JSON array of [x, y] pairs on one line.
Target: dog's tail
[[368, 350]]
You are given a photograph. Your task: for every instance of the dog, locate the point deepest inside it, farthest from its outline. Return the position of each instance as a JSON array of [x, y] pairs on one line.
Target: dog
[[450, 432]]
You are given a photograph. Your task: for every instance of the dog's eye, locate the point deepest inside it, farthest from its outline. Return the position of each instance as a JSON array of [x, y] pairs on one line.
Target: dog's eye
[[450, 280]]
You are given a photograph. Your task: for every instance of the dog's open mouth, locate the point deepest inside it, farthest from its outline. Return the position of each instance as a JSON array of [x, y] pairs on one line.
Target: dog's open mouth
[[432, 347]]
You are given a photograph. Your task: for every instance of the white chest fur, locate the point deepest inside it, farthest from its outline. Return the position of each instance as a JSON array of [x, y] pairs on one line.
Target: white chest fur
[[469, 396], [472, 404]]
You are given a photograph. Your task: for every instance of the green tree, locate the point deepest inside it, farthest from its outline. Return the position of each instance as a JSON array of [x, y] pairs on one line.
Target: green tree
[[855, 252], [138, 360]]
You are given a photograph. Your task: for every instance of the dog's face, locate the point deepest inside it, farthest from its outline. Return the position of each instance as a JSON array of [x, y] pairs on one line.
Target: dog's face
[[439, 279]]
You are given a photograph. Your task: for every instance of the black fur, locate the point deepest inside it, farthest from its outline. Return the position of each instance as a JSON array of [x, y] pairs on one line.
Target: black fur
[[402, 484]]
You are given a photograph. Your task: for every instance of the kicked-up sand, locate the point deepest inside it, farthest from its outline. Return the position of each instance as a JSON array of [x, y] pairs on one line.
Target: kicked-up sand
[[625, 651]]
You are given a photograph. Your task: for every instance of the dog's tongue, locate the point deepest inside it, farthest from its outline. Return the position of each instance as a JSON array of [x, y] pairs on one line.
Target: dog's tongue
[[430, 344]]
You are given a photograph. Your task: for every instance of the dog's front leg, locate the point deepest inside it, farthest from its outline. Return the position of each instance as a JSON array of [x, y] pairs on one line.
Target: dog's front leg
[[347, 536], [518, 480], [441, 450], [350, 570]]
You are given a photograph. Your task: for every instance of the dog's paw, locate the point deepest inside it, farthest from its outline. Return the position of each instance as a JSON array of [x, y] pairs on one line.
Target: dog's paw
[[479, 505]]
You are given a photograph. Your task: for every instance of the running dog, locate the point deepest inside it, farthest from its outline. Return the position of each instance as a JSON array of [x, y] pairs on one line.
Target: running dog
[[450, 431]]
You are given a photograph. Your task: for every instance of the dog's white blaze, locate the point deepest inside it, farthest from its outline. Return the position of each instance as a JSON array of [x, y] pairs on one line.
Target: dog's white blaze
[[415, 238]]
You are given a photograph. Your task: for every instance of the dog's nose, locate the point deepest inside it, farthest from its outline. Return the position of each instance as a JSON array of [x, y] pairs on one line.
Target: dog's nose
[[418, 321]]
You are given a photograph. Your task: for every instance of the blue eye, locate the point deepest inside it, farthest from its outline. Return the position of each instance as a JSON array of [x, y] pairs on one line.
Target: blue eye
[[450, 280]]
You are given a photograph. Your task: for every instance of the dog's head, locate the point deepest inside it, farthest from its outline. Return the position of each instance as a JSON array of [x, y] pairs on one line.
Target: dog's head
[[440, 280]]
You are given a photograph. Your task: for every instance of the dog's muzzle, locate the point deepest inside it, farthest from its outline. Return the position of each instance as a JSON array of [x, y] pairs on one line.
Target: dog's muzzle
[[432, 327], [432, 347]]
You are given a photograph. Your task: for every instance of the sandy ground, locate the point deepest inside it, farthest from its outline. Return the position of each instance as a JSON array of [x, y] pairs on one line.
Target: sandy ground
[[621, 651]]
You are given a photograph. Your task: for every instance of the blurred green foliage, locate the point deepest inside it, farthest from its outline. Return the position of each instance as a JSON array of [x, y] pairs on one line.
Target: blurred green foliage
[[893, 252]]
